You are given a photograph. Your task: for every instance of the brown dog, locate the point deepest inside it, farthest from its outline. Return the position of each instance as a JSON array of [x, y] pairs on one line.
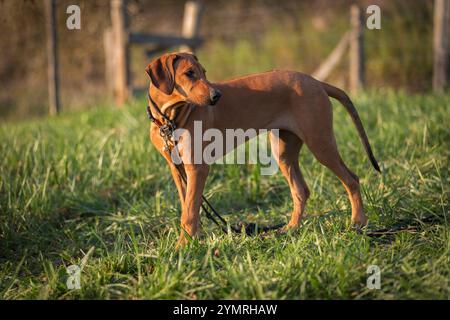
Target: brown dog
[[296, 104]]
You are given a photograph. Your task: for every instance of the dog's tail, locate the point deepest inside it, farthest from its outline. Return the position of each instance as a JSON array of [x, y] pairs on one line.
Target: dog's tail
[[343, 98]]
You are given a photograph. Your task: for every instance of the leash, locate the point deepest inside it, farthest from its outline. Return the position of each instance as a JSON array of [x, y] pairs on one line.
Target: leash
[[411, 226], [166, 132]]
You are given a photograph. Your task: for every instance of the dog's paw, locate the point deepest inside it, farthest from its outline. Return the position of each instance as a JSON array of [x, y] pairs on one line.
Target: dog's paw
[[360, 222], [287, 229], [182, 242]]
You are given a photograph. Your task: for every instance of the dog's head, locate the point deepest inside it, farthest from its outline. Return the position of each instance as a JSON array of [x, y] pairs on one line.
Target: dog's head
[[180, 75]]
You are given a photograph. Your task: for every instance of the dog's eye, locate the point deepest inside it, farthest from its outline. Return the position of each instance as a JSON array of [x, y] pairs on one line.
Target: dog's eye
[[190, 74]]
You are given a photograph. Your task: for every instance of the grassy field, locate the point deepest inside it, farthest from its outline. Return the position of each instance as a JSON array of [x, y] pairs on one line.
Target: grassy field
[[87, 188]]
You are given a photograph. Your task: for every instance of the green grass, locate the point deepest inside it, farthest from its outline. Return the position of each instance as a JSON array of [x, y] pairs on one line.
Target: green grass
[[91, 182]]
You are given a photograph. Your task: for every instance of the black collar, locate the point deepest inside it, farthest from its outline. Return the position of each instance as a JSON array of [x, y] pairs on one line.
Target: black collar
[[170, 124]]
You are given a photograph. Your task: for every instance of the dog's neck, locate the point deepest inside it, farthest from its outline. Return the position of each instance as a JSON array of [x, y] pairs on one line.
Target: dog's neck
[[175, 109]]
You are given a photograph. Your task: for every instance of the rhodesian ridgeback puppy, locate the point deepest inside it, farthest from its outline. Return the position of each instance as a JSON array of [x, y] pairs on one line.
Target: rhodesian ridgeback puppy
[[294, 103]]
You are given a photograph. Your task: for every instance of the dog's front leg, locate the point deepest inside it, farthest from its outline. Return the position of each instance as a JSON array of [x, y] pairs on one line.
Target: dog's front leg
[[177, 178], [190, 217]]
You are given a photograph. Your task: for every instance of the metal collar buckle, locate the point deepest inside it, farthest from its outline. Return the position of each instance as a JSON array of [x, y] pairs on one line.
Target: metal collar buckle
[[166, 130]]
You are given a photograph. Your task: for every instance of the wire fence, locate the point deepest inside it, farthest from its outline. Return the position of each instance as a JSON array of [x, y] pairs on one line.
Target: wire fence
[[282, 34]]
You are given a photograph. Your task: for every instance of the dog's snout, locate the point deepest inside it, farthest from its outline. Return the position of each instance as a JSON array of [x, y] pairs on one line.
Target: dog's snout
[[214, 96]]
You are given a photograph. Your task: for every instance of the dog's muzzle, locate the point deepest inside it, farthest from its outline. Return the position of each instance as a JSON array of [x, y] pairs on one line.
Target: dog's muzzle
[[214, 96]]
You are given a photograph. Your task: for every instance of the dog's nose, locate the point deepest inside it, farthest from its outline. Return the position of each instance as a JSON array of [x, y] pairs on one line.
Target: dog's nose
[[214, 96]]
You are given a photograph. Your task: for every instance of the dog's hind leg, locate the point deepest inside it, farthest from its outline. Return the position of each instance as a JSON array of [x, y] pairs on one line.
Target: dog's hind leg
[[322, 143], [329, 157], [286, 148]]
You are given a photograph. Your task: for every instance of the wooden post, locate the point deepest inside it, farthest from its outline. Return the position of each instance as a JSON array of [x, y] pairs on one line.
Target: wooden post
[[110, 71], [440, 44], [325, 69], [52, 58], [191, 22], [356, 68], [120, 54]]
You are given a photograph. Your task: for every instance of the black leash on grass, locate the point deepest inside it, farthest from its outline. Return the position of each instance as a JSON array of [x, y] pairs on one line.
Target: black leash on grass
[[408, 227], [166, 132]]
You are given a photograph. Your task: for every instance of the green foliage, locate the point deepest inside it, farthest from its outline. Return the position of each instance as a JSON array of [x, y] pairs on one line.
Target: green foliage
[[93, 180]]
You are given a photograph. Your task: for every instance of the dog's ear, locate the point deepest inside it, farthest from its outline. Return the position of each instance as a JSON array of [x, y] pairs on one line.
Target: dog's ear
[[162, 73]]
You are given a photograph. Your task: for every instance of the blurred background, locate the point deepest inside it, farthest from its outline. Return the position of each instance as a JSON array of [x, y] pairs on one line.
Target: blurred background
[[239, 37]]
